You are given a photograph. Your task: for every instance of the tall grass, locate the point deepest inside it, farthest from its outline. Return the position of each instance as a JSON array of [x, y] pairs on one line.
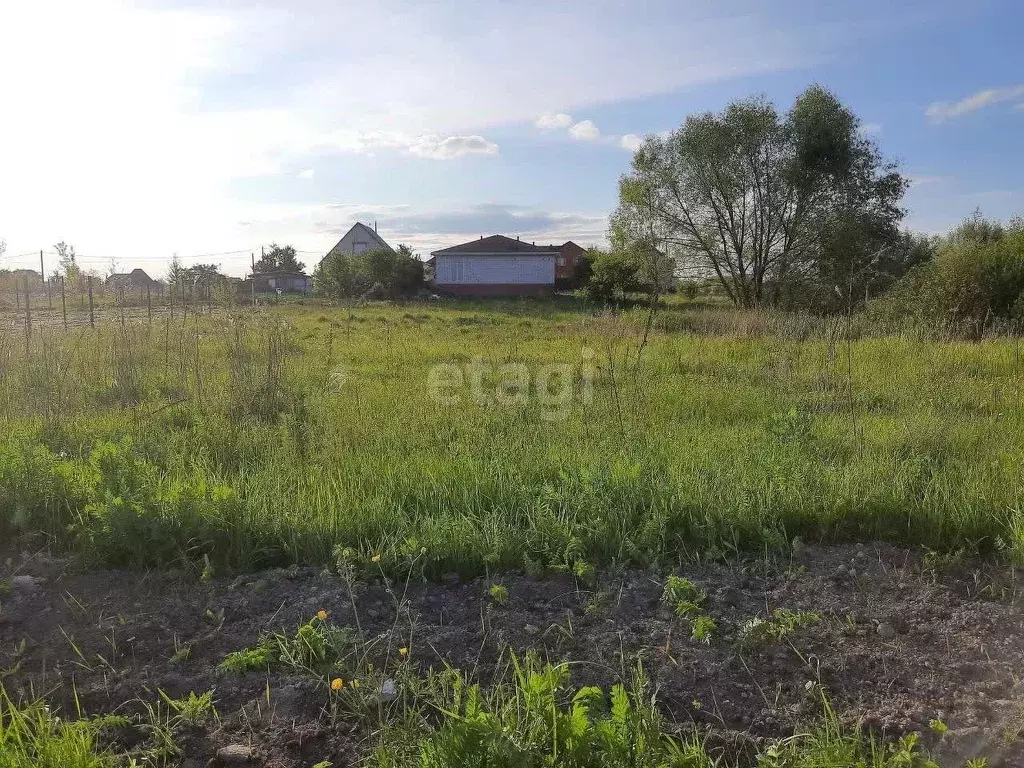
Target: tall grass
[[274, 437], [31, 737]]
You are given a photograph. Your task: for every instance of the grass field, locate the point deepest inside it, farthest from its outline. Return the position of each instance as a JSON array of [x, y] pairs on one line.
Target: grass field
[[276, 436]]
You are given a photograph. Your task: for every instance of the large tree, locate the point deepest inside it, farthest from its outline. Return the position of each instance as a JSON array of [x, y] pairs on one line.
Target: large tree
[[278, 258], [763, 201]]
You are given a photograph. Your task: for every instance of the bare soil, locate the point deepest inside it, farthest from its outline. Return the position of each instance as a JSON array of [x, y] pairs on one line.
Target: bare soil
[[901, 642]]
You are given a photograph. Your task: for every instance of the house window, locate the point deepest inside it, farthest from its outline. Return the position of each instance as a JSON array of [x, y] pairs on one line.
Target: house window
[[358, 247], [458, 271], [561, 261]]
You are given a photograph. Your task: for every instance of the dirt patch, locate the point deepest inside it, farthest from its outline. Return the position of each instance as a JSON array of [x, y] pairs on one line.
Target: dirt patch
[[901, 642]]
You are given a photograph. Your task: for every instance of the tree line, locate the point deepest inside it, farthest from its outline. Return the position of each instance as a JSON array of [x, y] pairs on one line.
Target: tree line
[[796, 210]]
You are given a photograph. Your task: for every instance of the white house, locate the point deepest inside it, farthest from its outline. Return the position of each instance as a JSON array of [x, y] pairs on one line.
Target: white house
[[494, 266]]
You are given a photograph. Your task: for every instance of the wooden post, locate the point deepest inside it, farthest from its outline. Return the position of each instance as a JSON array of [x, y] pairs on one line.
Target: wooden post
[[92, 318], [149, 302], [63, 303], [170, 296], [28, 320], [46, 283]]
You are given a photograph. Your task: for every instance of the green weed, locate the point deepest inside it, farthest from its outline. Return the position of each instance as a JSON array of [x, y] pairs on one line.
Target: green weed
[[758, 632]]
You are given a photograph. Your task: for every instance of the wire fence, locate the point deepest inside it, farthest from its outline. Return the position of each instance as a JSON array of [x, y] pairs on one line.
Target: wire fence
[[31, 301]]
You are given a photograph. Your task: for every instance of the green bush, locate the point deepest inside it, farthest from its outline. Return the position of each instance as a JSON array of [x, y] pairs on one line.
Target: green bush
[[975, 279], [380, 273]]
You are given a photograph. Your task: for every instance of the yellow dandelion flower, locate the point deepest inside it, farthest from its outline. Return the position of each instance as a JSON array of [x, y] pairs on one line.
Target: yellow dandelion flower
[[403, 652], [337, 684], [321, 614], [375, 559]]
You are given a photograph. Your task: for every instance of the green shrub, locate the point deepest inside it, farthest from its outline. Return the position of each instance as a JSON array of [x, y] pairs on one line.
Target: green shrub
[[975, 279], [538, 720]]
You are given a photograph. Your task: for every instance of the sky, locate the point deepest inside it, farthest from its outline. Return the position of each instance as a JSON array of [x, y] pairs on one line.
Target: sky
[[207, 128]]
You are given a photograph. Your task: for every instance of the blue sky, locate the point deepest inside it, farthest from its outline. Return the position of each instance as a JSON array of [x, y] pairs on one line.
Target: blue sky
[[135, 130]]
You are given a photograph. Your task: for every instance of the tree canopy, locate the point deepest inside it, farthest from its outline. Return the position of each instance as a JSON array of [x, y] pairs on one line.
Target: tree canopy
[[378, 273], [773, 206], [278, 258]]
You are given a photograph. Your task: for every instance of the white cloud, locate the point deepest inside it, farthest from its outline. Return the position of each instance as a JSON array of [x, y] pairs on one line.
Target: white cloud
[[452, 147], [585, 130], [553, 122], [631, 141], [306, 174], [428, 145], [870, 129], [945, 110], [917, 180]]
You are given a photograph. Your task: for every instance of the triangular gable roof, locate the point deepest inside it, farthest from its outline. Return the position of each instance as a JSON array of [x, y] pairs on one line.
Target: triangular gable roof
[[496, 244], [363, 229]]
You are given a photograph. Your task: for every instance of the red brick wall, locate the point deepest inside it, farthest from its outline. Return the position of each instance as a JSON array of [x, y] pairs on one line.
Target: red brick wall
[[570, 254]]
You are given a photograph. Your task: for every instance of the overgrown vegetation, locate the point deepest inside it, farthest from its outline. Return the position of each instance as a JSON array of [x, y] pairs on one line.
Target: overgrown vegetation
[[379, 273], [262, 439], [975, 280]]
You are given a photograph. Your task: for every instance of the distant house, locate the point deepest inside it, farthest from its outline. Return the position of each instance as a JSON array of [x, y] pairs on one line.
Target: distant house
[[136, 279], [276, 282], [570, 257], [495, 266], [359, 239]]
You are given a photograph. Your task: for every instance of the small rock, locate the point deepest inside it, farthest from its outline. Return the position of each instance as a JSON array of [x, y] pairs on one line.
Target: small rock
[[388, 691], [531, 629], [260, 586], [234, 754], [798, 545], [886, 631]]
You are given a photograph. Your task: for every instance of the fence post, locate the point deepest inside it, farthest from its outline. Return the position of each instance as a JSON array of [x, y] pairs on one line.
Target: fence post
[[63, 303], [46, 283], [28, 320], [92, 319], [149, 302], [170, 296]]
